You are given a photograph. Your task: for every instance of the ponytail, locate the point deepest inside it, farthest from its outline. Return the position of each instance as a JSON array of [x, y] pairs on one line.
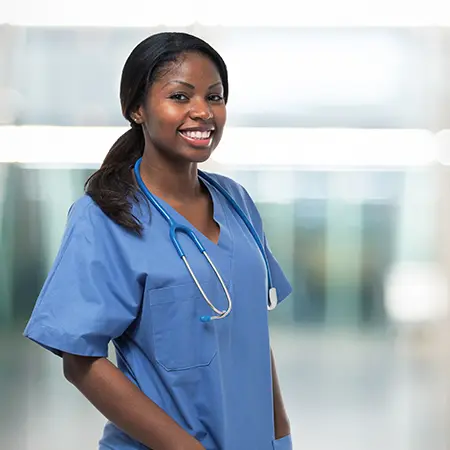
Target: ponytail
[[112, 186]]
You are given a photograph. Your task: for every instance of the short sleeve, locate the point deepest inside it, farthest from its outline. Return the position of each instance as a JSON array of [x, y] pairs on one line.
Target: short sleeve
[[91, 294]]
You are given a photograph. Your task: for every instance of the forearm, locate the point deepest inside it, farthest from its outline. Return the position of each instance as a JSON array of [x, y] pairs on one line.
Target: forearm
[[121, 402], [282, 426]]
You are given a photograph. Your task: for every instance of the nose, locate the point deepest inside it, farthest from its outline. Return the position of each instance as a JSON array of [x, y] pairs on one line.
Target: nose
[[200, 109]]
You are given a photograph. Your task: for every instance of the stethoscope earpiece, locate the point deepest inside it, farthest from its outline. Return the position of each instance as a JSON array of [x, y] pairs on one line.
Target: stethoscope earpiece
[[205, 319]]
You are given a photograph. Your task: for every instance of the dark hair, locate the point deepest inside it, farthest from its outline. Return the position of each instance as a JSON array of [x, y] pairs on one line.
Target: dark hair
[[112, 186]]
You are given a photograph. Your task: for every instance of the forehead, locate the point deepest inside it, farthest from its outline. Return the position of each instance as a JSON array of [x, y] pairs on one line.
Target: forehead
[[193, 68]]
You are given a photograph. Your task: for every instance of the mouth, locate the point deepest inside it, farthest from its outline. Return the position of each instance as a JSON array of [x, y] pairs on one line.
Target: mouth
[[197, 138]]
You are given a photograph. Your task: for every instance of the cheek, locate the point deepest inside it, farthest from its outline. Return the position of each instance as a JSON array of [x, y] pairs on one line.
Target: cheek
[[221, 116], [166, 118]]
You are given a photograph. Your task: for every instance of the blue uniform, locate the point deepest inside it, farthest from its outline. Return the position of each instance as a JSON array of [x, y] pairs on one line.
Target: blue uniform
[[108, 284]]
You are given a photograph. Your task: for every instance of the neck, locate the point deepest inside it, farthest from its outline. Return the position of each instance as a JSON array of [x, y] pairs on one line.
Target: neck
[[170, 182]]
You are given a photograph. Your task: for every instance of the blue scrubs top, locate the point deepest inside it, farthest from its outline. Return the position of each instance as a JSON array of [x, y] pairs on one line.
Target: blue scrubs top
[[108, 284]]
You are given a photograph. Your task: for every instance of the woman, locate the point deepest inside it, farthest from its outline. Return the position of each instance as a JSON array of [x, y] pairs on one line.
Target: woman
[[188, 377]]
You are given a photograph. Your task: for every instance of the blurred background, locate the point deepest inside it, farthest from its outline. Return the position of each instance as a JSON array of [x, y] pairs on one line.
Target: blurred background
[[339, 126]]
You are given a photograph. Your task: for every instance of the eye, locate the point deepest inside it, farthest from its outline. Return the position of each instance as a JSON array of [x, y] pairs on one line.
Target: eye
[[215, 98], [179, 97]]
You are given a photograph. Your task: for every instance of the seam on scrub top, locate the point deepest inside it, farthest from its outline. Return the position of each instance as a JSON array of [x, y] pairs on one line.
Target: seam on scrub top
[[172, 286], [124, 360], [183, 369], [94, 355]]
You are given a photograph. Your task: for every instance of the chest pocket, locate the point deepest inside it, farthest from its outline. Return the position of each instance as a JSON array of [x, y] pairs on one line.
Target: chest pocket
[[180, 340]]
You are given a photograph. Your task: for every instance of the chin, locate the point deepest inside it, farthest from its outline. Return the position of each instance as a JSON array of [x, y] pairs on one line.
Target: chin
[[201, 160], [198, 155]]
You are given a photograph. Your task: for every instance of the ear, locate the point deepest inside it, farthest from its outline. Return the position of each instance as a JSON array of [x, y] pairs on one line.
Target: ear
[[138, 115]]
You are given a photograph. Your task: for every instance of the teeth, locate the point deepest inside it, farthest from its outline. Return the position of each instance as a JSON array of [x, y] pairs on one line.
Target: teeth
[[197, 134]]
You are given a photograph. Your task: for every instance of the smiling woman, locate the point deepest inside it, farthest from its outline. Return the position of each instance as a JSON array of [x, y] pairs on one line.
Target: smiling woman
[[186, 379], [188, 100]]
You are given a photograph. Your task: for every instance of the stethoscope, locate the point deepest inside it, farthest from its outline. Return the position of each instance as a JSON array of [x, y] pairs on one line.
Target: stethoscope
[[175, 227]]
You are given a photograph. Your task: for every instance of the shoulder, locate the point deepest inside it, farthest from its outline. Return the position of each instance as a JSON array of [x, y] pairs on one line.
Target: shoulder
[[91, 235], [235, 189], [239, 194], [85, 210], [85, 216]]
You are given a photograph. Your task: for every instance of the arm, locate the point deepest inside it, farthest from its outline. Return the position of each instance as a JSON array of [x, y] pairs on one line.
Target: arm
[[282, 426], [121, 402]]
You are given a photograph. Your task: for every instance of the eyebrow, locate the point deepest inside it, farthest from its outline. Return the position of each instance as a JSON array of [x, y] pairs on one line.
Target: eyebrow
[[190, 86]]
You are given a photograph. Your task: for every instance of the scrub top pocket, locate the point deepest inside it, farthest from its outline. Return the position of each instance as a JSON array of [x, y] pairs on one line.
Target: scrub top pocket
[[180, 340]]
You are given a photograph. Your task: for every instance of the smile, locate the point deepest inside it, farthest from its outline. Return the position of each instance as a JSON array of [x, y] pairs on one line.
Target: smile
[[197, 138]]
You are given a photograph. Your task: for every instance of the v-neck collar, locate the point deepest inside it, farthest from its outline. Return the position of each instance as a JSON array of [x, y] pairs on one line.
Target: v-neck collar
[[219, 217]]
